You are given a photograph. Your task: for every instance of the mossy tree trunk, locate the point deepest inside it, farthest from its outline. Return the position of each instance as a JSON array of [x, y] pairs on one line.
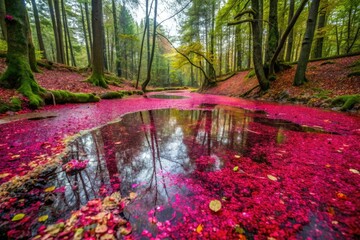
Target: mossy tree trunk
[[18, 73], [273, 38], [97, 77], [2, 18]]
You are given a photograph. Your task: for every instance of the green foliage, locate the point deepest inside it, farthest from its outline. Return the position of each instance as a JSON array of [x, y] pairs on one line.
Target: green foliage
[[62, 96], [347, 101], [322, 93]]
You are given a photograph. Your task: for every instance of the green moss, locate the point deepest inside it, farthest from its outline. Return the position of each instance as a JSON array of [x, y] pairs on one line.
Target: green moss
[[14, 105], [97, 80], [251, 74], [112, 95], [321, 93], [62, 96], [347, 101]]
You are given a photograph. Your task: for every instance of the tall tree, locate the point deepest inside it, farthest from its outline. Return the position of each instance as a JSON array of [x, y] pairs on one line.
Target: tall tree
[[273, 38], [59, 29], [320, 32], [97, 76], [117, 40], [18, 74], [300, 77], [85, 34], [148, 77], [38, 29]]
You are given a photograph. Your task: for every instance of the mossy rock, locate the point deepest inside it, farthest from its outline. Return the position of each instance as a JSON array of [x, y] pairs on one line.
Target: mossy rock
[[111, 95], [347, 102], [62, 96]]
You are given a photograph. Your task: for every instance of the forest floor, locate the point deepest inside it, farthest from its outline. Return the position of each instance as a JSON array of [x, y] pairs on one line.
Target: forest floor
[[327, 79]]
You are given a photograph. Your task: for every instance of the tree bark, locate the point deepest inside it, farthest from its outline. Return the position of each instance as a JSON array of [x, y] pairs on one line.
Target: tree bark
[[257, 47], [319, 41], [97, 77], [291, 34], [306, 44], [18, 73], [31, 47], [88, 23], [273, 38], [56, 34], [2, 18]]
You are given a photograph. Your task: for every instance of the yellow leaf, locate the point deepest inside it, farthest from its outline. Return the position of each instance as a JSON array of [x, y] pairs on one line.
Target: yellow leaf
[[351, 170], [237, 156], [15, 156], [236, 168], [101, 228], [18, 217], [272, 178], [43, 218], [50, 189], [199, 228], [215, 205], [4, 175], [132, 195]]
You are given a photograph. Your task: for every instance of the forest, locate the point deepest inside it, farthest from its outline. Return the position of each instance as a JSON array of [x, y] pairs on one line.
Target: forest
[[192, 119]]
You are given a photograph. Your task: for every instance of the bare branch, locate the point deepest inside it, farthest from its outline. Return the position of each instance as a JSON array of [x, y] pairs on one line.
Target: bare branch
[[182, 9], [239, 15], [240, 22]]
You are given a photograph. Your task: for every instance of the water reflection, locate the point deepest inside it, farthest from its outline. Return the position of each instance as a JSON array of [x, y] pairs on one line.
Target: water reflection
[[142, 152]]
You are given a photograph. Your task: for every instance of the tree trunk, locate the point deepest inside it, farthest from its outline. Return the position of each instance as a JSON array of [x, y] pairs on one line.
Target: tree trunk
[[18, 73], [273, 38], [148, 78], [2, 18], [88, 23], [85, 35], [306, 44], [319, 41], [38, 28], [66, 53], [97, 77], [67, 33], [56, 34], [291, 34], [31, 47], [257, 47], [117, 41], [59, 31]]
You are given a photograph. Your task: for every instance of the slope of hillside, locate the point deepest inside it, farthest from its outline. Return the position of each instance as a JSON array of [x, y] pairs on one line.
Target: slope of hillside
[[327, 79]]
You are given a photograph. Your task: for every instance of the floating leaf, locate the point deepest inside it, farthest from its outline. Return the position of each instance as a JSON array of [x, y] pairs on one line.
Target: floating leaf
[[351, 170], [236, 168], [43, 218], [101, 228], [18, 217], [50, 189], [199, 228], [341, 195], [237, 156], [15, 156], [79, 234], [215, 205], [271, 177]]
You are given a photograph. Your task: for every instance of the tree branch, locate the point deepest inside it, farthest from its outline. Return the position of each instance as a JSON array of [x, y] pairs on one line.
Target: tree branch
[[239, 15], [182, 9], [184, 55], [240, 22]]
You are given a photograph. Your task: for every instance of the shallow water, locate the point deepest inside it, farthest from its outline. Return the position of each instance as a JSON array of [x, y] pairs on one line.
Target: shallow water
[[179, 160]]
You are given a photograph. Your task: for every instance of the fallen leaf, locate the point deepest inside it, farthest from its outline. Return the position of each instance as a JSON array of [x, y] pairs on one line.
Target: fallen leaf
[[351, 170], [199, 228], [4, 175], [43, 218], [50, 189], [215, 205], [18, 217], [132, 195], [237, 156], [101, 228], [236, 168], [271, 177]]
